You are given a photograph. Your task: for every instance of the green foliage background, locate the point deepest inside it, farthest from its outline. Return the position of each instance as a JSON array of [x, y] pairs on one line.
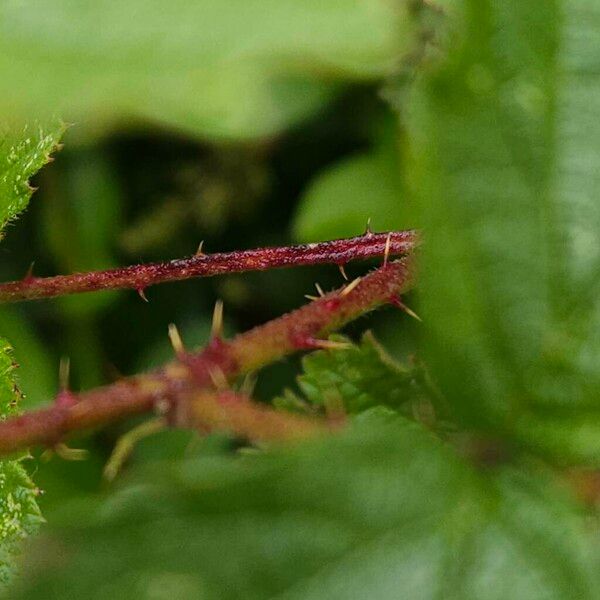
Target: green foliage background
[[257, 122]]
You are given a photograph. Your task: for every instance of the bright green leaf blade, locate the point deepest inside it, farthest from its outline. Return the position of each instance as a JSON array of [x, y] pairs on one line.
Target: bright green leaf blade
[[244, 68], [22, 154], [358, 378], [381, 512], [19, 512]]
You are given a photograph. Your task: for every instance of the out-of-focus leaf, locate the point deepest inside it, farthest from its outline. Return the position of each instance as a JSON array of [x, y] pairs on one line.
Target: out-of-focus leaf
[[505, 165], [381, 511], [86, 203], [19, 512], [241, 69], [366, 186], [358, 378], [22, 153], [340, 200]]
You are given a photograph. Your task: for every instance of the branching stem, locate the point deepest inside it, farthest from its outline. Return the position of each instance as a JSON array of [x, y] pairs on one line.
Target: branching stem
[[220, 362], [237, 414]]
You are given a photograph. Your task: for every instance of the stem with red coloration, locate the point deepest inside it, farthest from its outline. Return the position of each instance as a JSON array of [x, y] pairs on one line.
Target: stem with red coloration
[[220, 361], [139, 277], [234, 413]]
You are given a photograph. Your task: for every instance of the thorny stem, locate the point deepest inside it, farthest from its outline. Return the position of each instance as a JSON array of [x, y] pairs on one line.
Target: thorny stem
[[139, 277], [216, 365]]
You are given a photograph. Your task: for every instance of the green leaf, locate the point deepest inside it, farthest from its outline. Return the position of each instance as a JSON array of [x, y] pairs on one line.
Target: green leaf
[[367, 186], [242, 69], [358, 378], [87, 205], [376, 512], [19, 512], [22, 154], [505, 164]]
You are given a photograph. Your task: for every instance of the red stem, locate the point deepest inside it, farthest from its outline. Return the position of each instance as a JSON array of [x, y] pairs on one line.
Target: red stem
[[219, 362], [139, 277], [235, 413]]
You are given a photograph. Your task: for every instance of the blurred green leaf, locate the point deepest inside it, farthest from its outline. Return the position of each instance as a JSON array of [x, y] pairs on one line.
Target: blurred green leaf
[[19, 512], [357, 378], [23, 152], [86, 203], [381, 511], [502, 135], [341, 199], [239, 69]]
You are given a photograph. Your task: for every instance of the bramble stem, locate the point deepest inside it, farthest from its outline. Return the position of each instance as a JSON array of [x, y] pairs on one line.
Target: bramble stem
[[239, 415], [220, 362], [139, 277]]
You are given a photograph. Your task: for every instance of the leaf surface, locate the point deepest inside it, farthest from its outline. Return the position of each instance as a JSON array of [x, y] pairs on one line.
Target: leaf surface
[[23, 152], [383, 511], [358, 378], [241, 69], [504, 164]]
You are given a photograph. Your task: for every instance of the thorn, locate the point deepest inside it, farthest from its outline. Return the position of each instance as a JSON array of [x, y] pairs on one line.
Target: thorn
[[386, 252], [248, 385], [309, 297], [330, 344], [64, 371], [368, 230], [176, 341], [29, 274], [142, 294], [397, 302], [343, 272], [352, 285], [217, 321], [65, 398], [218, 378], [411, 313], [319, 290], [303, 342], [199, 251], [67, 453]]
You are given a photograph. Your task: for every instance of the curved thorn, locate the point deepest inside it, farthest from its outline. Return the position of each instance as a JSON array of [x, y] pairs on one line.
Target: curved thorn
[[175, 339]]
